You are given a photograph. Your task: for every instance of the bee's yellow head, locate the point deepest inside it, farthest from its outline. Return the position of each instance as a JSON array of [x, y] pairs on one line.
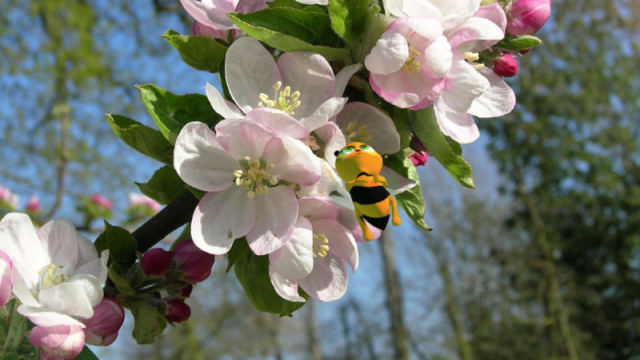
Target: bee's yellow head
[[356, 158]]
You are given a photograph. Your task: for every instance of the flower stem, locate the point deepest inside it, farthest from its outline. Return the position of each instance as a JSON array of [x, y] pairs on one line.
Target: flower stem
[[175, 214]]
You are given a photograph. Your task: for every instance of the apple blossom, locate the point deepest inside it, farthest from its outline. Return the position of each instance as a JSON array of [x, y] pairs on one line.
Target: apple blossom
[[156, 261], [101, 201], [102, 328], [301, 84], [315, 256], [213, 13], [57, 342], [194, 263], [528, 16], [8, 199], [33, 205], [505, 66], [6, 278], [144, 202], [177, 311], [60, 276], [241, 167]]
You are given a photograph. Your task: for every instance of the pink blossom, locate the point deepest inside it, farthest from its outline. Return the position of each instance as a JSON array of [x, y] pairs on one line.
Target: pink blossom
[[8, 198], [6, 278], [199, 29], [528, 16], [506, 65], [144, 201], [101, 201], [33, 205], [213, 13], [195, 263], [156, 261], [418, 158], [57, 342], [102, 328], [177, 311]]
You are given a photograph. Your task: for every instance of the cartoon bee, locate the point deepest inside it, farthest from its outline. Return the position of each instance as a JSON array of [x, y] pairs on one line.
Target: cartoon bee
[[359, 165]]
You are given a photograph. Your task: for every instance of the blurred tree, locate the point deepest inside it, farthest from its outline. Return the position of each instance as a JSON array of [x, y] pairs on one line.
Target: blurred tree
[[570, 153]]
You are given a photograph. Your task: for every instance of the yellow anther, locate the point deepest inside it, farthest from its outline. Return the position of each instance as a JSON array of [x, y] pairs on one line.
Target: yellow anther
[[285, 100], [411, 65], [471, 56]]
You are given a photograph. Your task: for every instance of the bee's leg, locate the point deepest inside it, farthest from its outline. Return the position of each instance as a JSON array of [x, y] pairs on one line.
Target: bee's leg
[[395, 217], [368, 236]]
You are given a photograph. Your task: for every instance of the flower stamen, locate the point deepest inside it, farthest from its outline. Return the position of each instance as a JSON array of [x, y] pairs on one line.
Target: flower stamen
[[285, 100], [411, 65], [320, 245], [254, 176], [50, 276], [353, 133]]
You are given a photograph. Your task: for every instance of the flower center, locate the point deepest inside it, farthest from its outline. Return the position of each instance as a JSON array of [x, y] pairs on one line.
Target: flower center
[[284, 99], [411, 65], [50, 276], [254, 176], [353, 133], [471, 56], [320, 245]]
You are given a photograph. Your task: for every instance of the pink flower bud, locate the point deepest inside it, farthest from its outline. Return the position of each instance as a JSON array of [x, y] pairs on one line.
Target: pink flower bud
[[33, 205], [8, 198], [102, 201], [505, 66], [418, 158], [58, 342], [102, 328], [143, 201], [528, 16], [6, 281], [185, 292], [177, 311], [195, 263], [156, 261]]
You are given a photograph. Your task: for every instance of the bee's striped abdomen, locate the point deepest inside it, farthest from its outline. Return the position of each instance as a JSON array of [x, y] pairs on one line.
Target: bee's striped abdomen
[[368, 195]]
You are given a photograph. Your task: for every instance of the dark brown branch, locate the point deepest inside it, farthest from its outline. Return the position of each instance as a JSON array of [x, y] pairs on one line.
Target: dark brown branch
[[174, 215]]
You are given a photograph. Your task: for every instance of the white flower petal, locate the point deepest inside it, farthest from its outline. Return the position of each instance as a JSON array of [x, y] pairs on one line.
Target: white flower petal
[[21, 242], [250, 70], [438, 58], [328, 183], [277, 213], [498, 100], [311, 75], [389, 54], [278, 122], [59, 239], [328, 280], [220, 218], [96, 267], [342, 78], [396, 184], [293, 161], [327, 110], [463, 85], [226, 109], [458, 126], [44, 317], [475, 31], [287, 289], [23, 293], [200, 160], [71, 298], [341, 241], [384, 136], [333, 140], [243, 138], [294, 260]]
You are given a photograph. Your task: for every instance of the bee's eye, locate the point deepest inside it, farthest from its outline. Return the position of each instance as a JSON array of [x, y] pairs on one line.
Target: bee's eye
[[345, 151], [366, 148]]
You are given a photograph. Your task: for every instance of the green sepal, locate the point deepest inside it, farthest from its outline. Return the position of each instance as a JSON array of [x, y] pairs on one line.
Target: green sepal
[[148, 322], [172, 112], [122, 285], [518, 43], [290, 30], [239, 250], [252, 272], [411, 200], [143, 139], [425, 126], [164, 186], [348, 17], [86, 354], [120, 243], [199, 52]]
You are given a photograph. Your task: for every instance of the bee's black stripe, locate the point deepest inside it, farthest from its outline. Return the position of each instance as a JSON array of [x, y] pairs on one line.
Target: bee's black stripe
[[368, 195], [362, 173], [380, 223]]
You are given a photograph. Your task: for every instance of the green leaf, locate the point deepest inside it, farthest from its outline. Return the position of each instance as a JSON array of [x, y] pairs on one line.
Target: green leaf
[[86, 354], [148, 323], [293, 30], [252, 272], [123, 286], [171, 112], [17, 327], [411, 200], [142, 138], [348, 17], [164, 186], [455, 146], [293, 4], [199, 52], [402, 121], [121, 244], [519, 43], [238, 250], [10, 356], [425, 125]]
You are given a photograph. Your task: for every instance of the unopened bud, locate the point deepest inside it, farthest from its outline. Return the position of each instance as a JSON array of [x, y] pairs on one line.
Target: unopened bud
[[156, 261], [505, 66], [526, 17], [418, 158], [177, 311], [102, 328], [195, 263], [58, 342]]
